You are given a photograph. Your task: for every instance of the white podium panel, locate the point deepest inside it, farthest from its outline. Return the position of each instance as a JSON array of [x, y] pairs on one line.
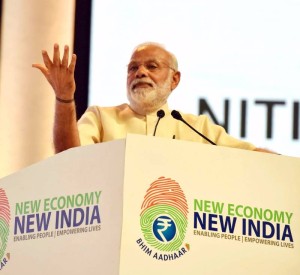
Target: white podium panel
[[243, 210], [149, 205], [66, 213]]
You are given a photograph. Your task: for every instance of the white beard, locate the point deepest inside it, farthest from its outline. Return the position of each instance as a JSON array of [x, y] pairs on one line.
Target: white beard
[[145, 100]]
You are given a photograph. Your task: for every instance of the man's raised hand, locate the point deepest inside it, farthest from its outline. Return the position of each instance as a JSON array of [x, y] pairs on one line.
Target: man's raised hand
[[59, 73]]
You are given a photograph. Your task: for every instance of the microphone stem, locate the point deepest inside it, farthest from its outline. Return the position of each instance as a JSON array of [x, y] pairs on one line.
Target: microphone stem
[[211, 142], [156, 126]]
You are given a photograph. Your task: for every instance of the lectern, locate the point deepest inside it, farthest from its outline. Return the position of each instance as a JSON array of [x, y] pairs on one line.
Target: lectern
[[148, 205]]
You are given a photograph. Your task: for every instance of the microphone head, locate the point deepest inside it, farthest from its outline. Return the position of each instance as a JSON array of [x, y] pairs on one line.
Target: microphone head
[[175, 114], [160, 113]]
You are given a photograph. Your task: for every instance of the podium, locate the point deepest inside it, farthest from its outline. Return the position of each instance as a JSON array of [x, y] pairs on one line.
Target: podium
[[148, 205]]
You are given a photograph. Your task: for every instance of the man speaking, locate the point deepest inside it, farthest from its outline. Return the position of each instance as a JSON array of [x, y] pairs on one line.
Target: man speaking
[[152, 75]]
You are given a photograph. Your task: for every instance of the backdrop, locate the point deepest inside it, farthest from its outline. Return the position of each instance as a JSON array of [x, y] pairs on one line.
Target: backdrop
[[26, 99], [240, 61]]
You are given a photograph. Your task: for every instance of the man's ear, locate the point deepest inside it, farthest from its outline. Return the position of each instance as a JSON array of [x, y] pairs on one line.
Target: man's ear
[[175, 80]]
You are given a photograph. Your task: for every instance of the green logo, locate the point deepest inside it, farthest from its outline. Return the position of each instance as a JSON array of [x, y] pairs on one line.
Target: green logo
[[164, 215], [4, 222]]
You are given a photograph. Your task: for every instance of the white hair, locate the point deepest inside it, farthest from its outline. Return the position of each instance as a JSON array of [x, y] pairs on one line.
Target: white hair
[[174, 61]]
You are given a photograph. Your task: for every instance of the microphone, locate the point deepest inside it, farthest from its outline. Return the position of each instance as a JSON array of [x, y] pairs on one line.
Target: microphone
[[175, 114], [160, 114]]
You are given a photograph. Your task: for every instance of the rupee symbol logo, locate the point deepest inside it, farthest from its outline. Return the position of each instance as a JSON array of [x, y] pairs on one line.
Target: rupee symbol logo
[[165, 223]]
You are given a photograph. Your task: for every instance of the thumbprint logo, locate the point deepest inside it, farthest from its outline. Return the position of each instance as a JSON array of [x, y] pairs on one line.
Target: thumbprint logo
[[4, 222], [164, 215]]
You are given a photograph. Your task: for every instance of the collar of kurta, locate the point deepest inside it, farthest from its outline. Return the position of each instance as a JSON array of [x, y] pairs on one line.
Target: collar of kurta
[[165, 107]]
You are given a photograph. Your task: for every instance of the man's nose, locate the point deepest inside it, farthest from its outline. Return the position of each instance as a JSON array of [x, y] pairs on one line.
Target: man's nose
[[141, 71]]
